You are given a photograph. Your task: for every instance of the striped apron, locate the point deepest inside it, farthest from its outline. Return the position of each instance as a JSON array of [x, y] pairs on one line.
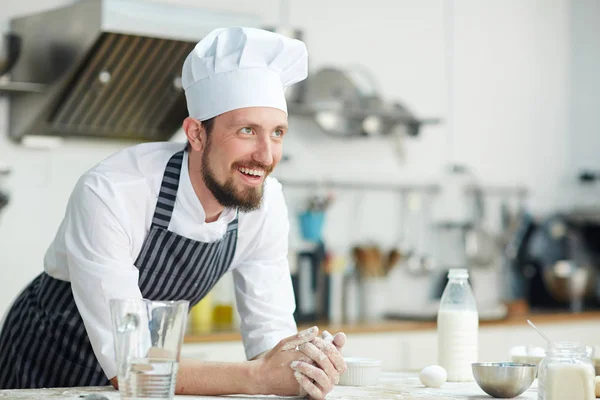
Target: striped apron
[[43, 342]]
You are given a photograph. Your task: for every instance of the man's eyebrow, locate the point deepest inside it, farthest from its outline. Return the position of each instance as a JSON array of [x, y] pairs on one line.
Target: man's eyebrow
[[245, 122]]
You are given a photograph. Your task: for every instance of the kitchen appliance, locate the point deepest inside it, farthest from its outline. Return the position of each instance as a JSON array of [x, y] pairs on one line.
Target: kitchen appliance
[[555, 263], [106, 68], [10, 47], [311, 284]]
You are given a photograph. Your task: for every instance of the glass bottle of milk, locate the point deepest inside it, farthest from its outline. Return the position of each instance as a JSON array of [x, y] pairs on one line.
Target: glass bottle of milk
[[457, 327], [567, 372]]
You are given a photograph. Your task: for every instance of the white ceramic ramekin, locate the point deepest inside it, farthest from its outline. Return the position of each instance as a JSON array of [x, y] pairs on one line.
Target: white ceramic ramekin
[[361, 372]]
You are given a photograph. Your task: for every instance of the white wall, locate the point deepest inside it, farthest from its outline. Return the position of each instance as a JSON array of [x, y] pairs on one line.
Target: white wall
[[511, 80], [584, 118]]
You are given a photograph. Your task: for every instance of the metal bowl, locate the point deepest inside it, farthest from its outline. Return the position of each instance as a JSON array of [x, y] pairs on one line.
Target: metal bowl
[[504, 380]]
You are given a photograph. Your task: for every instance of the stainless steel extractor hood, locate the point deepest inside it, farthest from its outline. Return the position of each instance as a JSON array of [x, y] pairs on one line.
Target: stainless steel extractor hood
[[107, 68]]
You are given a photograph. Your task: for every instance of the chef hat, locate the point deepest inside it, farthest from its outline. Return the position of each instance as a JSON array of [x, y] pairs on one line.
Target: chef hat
[[238, 67]]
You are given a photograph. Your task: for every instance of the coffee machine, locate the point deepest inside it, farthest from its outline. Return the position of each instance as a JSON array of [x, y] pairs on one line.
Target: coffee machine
[[554, 263]]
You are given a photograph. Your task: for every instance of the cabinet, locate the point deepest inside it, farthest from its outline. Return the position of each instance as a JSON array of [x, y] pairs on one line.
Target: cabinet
[[413, 350]]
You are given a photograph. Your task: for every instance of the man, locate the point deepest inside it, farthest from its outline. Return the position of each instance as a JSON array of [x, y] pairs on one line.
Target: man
[[162, 222]]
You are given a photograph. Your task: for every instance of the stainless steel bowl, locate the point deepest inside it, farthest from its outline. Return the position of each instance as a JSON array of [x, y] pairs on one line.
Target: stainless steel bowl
[[504, 380]]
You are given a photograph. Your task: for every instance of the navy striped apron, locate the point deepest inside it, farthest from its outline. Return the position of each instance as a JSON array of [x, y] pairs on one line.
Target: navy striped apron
[[43, 342]]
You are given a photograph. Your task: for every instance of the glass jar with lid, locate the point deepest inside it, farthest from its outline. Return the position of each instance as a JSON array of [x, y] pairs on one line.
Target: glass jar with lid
[[566, 372]]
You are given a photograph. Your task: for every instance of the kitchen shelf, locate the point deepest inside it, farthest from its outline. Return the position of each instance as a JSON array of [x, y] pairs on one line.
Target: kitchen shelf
[[394, 187], [392, 115], [384, 326], [389, 116]]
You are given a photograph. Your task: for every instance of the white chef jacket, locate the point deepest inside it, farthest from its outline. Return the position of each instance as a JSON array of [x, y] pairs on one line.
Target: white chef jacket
[[108, 216]]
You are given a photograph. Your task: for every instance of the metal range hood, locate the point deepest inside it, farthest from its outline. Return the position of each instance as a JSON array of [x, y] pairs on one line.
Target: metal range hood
[[106, 68]]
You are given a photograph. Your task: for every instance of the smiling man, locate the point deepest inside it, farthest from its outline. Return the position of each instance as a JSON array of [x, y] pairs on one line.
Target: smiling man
[[164, 221]]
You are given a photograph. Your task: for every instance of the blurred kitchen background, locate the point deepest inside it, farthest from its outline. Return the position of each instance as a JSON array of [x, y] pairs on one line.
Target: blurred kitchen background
[[430, 134]]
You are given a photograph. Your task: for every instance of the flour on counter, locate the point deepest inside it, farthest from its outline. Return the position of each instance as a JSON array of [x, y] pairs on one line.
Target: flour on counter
[[59, 393], [392, 386]]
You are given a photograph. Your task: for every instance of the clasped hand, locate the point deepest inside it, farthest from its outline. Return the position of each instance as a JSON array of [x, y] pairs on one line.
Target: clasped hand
[[315, 363]]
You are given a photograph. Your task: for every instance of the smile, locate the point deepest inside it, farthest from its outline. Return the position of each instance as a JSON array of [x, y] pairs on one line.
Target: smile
[[252, 172]]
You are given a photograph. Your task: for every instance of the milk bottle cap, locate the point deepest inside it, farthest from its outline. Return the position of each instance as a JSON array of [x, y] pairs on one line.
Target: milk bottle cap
[[458, 273]]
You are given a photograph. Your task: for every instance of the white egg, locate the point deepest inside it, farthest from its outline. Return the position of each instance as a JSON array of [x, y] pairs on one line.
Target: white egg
[[433, 376]]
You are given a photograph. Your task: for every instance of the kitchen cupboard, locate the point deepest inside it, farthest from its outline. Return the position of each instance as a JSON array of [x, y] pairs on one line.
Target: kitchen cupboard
[[415, 349]]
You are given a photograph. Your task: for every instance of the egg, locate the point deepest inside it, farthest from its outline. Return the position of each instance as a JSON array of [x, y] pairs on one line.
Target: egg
[[433, 376]]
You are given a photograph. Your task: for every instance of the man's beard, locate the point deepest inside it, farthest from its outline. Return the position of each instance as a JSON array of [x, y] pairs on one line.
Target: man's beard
[[246, 199]]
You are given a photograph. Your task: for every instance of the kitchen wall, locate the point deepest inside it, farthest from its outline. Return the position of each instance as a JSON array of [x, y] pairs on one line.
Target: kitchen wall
[[511, 71], [584, 119]]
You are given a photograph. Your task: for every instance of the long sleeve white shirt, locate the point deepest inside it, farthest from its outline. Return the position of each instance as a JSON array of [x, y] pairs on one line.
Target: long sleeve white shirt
[[108, 216]]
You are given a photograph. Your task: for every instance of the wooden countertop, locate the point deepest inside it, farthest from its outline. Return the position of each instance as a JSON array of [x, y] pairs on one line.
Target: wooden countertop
[[406, 326]]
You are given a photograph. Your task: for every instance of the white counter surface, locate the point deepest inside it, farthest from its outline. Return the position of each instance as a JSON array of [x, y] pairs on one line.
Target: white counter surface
[[405, 386]]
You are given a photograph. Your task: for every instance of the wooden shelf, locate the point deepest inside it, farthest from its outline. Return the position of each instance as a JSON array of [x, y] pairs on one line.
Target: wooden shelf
[[407, 326]]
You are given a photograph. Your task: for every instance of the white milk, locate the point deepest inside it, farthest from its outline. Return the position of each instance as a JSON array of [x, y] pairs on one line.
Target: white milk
[[569, 381], [457, 343]]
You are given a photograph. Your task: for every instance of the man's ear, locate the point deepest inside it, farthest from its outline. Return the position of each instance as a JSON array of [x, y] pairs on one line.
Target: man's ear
[[195, 133]]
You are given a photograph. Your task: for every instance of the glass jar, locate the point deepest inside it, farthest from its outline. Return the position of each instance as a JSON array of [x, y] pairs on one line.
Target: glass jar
[[566, 372]]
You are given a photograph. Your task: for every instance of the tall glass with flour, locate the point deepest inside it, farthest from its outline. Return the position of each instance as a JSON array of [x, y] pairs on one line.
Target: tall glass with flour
[[458, 327]]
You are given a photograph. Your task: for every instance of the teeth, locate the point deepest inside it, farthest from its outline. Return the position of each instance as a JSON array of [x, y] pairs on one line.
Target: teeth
[[255, 172]]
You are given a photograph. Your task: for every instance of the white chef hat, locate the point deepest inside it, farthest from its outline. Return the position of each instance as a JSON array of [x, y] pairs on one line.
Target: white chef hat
[[240, 67]]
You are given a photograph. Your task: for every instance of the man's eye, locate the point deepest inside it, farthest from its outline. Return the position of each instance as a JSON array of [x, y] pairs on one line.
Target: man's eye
[[278, 133], [246, 130]]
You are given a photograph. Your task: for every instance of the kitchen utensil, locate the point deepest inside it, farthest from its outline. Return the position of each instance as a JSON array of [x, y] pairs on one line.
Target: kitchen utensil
[[504, 380], [348, 102], [421, 262], [540, 332], [404, 244], [480, 246], [394, 256], [360, 372], [369, 261], [148, 338], [332, 91], [10, 48]]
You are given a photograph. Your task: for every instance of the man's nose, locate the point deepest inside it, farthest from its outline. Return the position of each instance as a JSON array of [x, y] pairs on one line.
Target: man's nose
[[263, 153]]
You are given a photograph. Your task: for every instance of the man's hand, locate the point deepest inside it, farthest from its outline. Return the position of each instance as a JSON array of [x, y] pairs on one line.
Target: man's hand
[[318, 376], [274, 372]]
